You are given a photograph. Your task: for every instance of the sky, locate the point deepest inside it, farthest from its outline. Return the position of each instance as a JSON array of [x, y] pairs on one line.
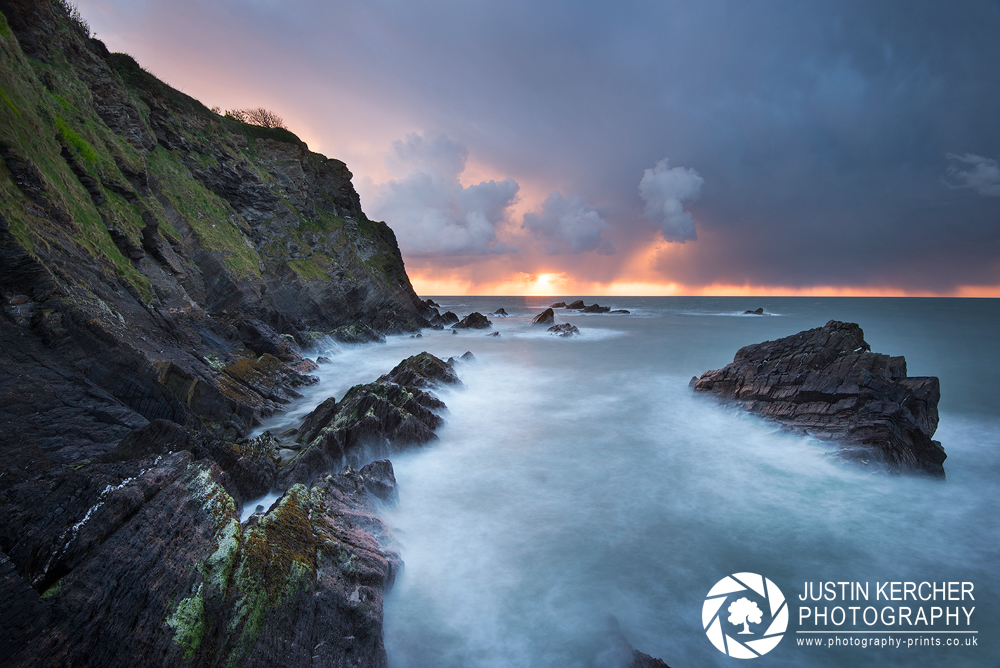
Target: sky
[[628, 148]]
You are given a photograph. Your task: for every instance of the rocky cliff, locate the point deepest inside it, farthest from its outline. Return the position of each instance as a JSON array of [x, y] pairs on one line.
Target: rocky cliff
[[161, 269], [827, 382]]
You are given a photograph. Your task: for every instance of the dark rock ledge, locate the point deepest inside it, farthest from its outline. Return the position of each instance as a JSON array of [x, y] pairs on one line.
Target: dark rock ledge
[[828, 383], [372, 420], [140, 558]]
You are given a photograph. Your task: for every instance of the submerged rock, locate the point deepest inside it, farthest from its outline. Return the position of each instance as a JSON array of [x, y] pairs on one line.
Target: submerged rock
[[827, 382], [759, 311], [546, 317], [596, 308], [564, 329], [621, 310], [474, 320]]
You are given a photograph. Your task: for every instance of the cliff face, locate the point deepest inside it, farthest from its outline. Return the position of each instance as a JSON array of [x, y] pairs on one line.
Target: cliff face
[[161, 268], [149, 244]]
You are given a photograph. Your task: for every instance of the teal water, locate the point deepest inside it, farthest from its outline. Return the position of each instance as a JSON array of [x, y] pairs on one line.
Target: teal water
[[579, 479]]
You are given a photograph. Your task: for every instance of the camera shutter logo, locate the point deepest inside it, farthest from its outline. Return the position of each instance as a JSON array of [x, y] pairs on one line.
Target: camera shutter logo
[[722, 622]]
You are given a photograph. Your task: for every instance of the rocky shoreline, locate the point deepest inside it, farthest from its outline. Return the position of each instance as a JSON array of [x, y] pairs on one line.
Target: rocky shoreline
[[163, 268], [827, 382]]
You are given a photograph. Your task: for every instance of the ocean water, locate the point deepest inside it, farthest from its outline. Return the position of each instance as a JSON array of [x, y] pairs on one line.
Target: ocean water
[[581, 497]]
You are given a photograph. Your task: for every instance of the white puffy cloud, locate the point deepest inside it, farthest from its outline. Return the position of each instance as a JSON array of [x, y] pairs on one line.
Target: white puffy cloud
[[430, 211], [983, 175], [568, 225], [665, 190]]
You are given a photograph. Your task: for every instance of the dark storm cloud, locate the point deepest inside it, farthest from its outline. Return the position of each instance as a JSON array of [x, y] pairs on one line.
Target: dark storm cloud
[[822, 130]]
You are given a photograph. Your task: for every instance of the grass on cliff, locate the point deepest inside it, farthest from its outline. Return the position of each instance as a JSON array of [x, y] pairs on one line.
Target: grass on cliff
[[34, 124], [207, 214]]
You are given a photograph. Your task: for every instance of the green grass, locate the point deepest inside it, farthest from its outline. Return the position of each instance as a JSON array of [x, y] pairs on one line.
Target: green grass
[[75, 141], [10, 103], [205, 212], [316, 268]]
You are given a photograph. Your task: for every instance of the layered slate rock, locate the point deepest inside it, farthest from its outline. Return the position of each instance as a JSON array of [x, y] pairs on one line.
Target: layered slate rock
[[596, 308], [474, 320], [827, 382], [564, 330], [546, 317], [147, 563], [372, 420]]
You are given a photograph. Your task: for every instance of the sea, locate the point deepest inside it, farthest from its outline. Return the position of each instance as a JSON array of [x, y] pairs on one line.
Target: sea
[[582, 500]]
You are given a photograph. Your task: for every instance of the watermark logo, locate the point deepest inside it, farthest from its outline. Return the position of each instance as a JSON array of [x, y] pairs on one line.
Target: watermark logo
[[736, 603]]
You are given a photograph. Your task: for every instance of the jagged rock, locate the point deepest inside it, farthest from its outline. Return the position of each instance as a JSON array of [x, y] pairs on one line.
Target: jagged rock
[[317, 420], [157, 437], [125, 245], [759, 311], [430, 302], [467, 356], [250, 463], [546, 317], [148, 564], [422, 370], [448, 318], [500, 313], [379, 479], [323, 360], [474, 320], [577, 305], [596, 308], [372, 420], [304, 366], [558, 305], [826, 381], [357, 333], [564, 329]]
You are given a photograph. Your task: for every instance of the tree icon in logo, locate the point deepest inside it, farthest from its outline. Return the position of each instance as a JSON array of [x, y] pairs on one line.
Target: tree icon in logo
[[740, 593], [742, 611]]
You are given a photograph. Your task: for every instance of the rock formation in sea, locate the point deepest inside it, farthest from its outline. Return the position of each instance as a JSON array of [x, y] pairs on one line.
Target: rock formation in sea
[[474, 320], [546, 317], [162, 268], [564, 330], [596, 308], [827, 382], [372, 420]]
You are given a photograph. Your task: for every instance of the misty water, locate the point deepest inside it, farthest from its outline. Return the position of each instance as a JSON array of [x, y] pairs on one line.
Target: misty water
[[582, 497]]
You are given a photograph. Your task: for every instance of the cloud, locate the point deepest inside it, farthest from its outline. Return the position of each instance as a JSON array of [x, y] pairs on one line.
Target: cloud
[[430, 211], [568, 226], [665, 189], [983, 176]]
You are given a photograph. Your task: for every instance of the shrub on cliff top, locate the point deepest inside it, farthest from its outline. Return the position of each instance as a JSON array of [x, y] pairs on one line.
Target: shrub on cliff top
[[257, 116]]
